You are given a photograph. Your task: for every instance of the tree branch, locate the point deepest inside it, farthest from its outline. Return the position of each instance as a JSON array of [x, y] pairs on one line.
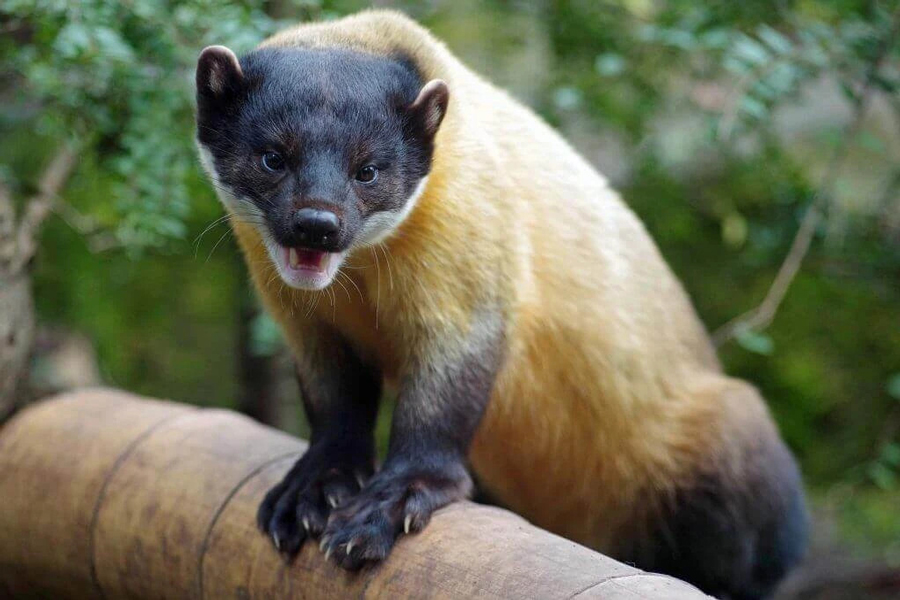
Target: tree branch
[[41, 204], [98, 239]]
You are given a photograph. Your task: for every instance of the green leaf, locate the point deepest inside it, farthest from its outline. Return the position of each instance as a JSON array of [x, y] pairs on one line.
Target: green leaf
[[784, 77], [73, 39], [890, 454], [610, 64], [751, 51], [678, 38], [764, 90], [753, 107], [882, 476], [775, 39], [734, 65], [734, 229], [112, 45], [567, 98], [758, 343], [716, 38], [893, 386]]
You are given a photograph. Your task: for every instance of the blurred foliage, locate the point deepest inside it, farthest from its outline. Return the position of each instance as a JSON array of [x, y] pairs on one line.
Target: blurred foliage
[[725, 220], [717, 120], [115, 78]]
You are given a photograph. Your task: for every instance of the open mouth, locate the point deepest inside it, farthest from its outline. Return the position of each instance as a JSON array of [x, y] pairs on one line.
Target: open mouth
[[301, 259], [307, 269]]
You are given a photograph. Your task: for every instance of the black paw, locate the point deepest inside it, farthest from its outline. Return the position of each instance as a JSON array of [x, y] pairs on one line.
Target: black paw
[[364, 529], [297, 508]]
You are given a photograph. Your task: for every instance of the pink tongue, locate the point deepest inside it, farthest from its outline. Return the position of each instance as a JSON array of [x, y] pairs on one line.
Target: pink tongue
[[310, 259]]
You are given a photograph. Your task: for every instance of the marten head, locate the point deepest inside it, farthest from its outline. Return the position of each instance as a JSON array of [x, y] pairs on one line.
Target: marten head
[[322, 150]]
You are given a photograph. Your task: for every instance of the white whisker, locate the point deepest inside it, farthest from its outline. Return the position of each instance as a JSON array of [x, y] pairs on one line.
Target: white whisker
[[224, 235]]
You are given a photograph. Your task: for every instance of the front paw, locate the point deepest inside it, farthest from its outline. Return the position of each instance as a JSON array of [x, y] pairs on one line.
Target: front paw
[[297, 508], [394, 501]]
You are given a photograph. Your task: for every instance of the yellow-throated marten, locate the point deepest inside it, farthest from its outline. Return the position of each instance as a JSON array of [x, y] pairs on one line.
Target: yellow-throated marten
[[406, 222]]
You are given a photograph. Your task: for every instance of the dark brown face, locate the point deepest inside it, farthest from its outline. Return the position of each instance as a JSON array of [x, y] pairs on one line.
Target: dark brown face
[[325, 150]]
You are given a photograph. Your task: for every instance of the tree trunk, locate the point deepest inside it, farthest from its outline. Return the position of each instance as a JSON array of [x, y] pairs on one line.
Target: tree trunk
[[16, 312], [18, 242]]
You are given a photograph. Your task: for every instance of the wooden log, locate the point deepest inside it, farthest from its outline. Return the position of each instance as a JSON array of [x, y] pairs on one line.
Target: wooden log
[[107, 495]]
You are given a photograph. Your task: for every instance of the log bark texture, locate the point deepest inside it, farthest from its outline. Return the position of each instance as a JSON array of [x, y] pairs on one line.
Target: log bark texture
[[108, 495]]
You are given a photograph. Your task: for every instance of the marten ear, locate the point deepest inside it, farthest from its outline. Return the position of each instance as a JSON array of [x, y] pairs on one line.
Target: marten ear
[[219, 76], [429, 108]]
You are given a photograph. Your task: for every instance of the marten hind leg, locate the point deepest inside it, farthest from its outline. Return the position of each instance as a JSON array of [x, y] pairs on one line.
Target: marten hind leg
[[738, 524]]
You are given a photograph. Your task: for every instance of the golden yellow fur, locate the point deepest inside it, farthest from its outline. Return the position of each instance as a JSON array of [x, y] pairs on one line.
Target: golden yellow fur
[[610, 392]]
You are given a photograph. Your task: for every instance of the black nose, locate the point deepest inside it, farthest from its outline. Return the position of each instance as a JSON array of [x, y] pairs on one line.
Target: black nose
[[316, 228]]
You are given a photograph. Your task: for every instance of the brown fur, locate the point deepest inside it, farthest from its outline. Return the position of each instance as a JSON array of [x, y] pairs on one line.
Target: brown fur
[[610, 395]]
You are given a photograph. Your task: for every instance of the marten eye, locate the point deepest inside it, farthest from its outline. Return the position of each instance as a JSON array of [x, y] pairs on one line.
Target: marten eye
[[272, 161], [367, 174]]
